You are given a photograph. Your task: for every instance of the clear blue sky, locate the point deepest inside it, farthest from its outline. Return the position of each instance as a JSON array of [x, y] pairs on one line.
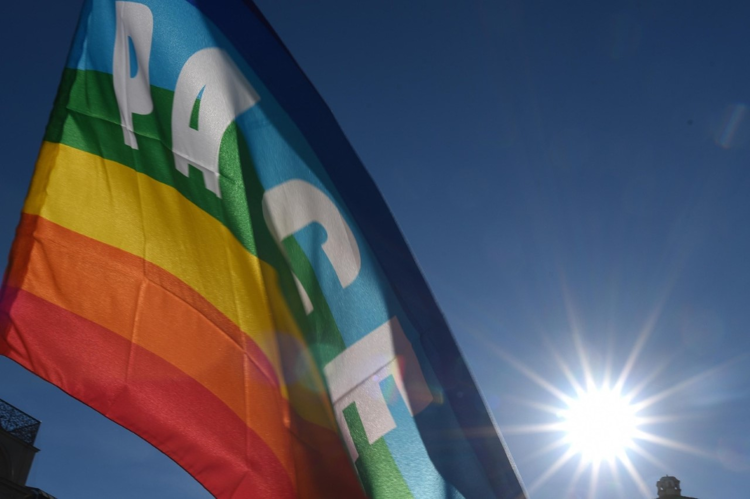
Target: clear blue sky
[[559, 168]]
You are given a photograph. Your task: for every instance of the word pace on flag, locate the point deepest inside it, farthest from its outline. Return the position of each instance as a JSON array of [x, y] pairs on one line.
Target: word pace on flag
[[203, 259]]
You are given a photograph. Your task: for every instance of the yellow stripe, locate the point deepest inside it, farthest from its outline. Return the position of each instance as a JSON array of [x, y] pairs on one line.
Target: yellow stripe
[[116, 205]]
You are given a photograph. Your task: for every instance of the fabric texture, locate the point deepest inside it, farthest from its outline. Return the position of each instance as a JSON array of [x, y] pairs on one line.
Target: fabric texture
[[203, 259]]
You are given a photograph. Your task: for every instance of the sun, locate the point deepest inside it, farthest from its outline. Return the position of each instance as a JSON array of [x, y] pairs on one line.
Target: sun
[[599, 425], [604, 419]]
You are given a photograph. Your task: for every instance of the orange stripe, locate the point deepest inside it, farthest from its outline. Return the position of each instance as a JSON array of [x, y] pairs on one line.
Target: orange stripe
[[153, 309], [142, 392]]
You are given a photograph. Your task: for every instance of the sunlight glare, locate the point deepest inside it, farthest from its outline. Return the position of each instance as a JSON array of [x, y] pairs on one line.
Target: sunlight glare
[[600, 425]]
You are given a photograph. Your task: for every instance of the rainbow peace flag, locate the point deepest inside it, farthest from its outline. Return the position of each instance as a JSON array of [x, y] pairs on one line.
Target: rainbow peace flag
[[203, 259]]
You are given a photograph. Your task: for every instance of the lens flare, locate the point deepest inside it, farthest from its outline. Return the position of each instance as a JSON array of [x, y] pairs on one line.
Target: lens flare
[[599, 424]]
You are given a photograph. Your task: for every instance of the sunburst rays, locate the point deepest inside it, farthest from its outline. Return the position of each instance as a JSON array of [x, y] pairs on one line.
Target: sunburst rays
[[619, 463]]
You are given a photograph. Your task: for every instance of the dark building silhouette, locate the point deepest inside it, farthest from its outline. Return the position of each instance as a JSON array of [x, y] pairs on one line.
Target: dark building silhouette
[[17, 434], [668, 487]]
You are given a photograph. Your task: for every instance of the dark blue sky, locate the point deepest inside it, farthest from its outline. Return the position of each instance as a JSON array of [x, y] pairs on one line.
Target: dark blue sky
[[559, 169]]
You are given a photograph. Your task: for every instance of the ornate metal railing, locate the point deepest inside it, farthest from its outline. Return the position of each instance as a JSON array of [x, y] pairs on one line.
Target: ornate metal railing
[[18, 423]]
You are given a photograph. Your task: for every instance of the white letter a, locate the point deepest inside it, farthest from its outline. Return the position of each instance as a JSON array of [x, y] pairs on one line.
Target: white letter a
[[211, 76]]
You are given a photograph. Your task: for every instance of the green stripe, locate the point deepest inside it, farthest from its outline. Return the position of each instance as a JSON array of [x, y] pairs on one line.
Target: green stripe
[[86, 116], [377, 470]]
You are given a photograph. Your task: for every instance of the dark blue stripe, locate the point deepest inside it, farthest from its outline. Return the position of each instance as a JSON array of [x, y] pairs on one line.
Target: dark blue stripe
[[254, 38]]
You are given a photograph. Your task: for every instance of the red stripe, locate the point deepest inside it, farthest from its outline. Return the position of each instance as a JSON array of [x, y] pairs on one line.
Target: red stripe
[[143, 393], [103, 285]]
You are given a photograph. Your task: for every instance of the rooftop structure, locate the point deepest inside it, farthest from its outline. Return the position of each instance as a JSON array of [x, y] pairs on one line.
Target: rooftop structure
[[18, 432], [668, 487], [18, 423]]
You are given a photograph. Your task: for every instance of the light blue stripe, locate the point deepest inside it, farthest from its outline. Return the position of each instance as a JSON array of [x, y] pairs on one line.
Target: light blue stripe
[[409, 452]]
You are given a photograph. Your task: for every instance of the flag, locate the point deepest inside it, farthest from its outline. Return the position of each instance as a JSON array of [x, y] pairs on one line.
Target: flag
[[203, 259]]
